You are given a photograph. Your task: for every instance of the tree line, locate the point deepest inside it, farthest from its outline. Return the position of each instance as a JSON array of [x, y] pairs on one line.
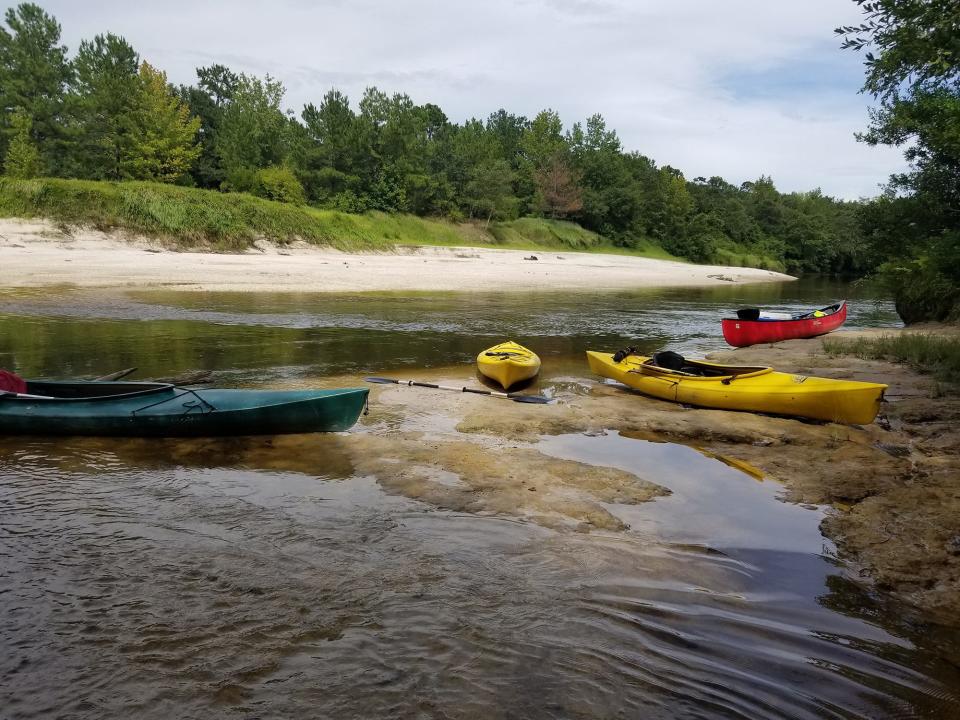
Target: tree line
[[107, 114]]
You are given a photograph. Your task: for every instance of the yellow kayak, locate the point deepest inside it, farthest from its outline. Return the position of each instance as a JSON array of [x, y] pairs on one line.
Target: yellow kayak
[[733, 387], [508, 363]]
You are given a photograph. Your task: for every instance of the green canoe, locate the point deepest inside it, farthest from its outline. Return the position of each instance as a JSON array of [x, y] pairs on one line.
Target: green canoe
[[140, 409]]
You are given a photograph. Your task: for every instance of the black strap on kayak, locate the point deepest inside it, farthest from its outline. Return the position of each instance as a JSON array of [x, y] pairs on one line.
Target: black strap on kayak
[[189, 406], [620, 355], [504, 355]]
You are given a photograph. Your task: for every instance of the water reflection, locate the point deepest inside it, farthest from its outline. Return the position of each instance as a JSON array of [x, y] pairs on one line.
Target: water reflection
[[248, 338]]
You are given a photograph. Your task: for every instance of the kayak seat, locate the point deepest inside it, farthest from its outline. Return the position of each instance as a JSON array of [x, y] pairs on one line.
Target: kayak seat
[[669, 360]]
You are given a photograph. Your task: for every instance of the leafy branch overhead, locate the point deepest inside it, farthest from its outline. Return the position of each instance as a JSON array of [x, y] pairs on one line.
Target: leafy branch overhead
[[912, 60]]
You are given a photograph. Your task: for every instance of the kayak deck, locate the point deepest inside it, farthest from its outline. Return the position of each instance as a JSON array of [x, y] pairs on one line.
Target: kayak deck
[[160, 410], [754, 389], [508, 363]]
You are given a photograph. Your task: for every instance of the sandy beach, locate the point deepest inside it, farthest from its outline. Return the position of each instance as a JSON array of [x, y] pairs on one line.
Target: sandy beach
[[36, 253]]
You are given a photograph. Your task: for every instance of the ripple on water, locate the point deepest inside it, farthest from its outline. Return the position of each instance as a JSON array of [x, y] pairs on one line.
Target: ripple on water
[[206, 578]]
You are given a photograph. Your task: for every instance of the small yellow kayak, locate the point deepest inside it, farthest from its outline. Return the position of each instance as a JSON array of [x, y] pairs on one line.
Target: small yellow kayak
[[508, 363], [734, 387]]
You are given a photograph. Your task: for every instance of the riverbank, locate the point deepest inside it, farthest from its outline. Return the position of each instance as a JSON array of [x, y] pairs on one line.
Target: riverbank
[[890, 490], [37, 253]]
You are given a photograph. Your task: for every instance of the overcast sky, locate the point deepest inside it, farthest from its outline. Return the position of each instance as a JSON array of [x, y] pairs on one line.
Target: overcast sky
[[736, 88]]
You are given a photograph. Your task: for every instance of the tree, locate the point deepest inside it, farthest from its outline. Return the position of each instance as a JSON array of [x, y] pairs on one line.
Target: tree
[[489, 192], [165, 145], [215, 88], [22, 159], [107, 96], [611, 198], [33, 74], [253, 131], [327, 153], [912, 60], [558, 192]]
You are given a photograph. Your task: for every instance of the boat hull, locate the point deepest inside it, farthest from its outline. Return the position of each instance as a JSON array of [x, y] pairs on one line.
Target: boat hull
[[508, 364], [758, 390], [742, 333], [169, 411]]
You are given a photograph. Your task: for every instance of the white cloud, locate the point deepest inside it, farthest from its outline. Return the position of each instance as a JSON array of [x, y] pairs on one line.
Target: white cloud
[[660, 73]]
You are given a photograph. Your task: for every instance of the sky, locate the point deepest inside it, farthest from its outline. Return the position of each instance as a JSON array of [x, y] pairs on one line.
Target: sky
[[736, 88]]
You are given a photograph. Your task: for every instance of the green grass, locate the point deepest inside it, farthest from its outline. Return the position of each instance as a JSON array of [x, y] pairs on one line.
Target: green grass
[[190, 218], [739, 256], [937, 355]]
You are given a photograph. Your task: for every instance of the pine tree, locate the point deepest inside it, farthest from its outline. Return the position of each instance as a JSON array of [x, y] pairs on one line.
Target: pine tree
[[33, 75], [108, 93], [23, 159]]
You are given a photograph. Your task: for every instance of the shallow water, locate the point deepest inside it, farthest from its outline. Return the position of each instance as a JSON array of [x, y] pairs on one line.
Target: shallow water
[[251, 578], [250, 337]]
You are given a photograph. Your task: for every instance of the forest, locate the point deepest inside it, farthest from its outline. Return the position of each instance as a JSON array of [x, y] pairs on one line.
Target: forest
[[106, 114]]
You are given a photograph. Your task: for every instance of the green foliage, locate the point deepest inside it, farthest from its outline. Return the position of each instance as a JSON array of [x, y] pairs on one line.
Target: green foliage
[[107, 94], [912, 58], [908, 43], [929, 353], [22, 159], [280, 184], [215, 88], [34, 73], [252, 130], [165, 144], [489, 192]]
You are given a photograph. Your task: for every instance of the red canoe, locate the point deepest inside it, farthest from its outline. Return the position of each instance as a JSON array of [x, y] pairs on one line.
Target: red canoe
[[741, 331]]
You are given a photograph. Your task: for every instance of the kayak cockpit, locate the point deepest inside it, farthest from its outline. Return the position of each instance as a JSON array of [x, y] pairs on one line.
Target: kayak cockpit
[[92, 390], [670, 362]]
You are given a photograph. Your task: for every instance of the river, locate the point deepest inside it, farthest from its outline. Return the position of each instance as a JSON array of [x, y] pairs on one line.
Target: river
[[259, 577]]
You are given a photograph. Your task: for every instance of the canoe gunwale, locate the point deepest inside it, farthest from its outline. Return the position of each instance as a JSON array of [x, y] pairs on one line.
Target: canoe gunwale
[[149, 389], [839, 307]]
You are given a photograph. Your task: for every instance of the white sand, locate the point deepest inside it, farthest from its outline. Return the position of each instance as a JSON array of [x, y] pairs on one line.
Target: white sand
[[36, 253]]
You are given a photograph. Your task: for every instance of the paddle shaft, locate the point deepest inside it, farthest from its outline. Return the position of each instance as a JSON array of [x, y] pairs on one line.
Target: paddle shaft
[[454, 388], [517, 397], [26, 396]]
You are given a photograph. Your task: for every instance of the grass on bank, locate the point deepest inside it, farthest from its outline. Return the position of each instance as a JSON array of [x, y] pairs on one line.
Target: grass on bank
[[191, 218], [936, 355]]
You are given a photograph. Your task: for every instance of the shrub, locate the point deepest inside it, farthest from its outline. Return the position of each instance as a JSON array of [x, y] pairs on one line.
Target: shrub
[[280, 184]]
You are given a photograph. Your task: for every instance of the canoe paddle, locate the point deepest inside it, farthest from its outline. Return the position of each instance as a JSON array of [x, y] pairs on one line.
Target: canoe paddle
[[116, 375], [516, 397]]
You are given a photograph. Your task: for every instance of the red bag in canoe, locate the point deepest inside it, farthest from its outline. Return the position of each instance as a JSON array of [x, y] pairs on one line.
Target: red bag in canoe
[[9, 382]]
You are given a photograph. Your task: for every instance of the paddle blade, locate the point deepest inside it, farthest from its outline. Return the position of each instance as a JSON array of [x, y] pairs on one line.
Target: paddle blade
[[534, 399], [381, 380]]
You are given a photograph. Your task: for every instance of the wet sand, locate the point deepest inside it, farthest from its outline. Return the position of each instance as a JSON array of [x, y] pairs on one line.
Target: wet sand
[[38, 253]]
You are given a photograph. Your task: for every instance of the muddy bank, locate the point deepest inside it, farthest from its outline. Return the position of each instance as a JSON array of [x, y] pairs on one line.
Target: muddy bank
[[41, 253], [893, 486]]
